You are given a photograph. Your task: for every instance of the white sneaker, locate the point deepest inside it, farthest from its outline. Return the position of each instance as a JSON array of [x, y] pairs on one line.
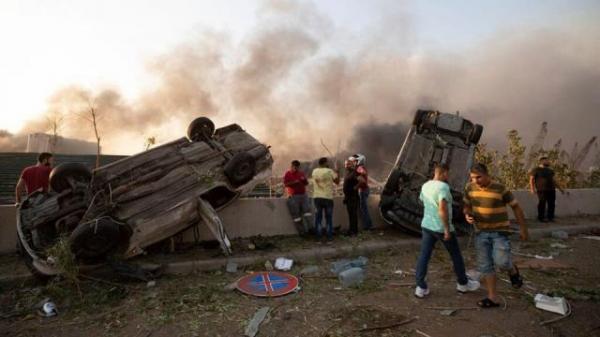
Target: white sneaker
[[470, 286], [420, 292]]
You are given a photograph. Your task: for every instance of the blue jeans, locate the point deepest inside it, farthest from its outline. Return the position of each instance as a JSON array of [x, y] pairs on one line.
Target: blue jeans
[[364, 209], [428, 242], [493, 250], [323, 205]]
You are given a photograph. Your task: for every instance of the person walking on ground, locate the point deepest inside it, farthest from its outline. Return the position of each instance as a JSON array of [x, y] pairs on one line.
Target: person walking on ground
[[351, 198], [324, 180], [35, 177], [363, 191], [542, 183], [437, 226], [295, 183], [485, 204]]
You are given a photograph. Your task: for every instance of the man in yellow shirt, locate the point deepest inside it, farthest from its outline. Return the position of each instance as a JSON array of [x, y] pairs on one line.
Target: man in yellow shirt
[[324, 180]]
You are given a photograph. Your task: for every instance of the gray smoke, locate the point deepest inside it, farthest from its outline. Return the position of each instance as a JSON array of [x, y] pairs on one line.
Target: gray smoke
[[287, 85]]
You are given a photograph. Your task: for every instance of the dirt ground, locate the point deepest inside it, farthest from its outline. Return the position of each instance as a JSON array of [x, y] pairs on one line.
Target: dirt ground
[[200, 305]]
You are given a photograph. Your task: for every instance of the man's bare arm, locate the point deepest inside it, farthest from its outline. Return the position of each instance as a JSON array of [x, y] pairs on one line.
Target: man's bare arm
[[520, 216], [444, 216], [19, 189], [532, 184]]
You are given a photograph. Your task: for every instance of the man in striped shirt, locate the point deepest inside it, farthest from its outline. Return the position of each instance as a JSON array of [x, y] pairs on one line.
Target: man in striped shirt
[[485, 204]]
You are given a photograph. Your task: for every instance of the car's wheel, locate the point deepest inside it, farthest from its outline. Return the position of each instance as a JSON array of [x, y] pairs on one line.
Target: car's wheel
[[200, 128], [240, 169], [95, 239], [475, 134], [65, 176], [419, 117]]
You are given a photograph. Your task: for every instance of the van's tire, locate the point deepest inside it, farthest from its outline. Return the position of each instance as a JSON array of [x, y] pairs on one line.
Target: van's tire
[[63, 175], [419, 117], [200, 128], [95, 239], [240, 169], [475, 134]]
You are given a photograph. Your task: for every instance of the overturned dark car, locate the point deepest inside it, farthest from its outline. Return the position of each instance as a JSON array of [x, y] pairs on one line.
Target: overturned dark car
[[130, 204], [435, 137]]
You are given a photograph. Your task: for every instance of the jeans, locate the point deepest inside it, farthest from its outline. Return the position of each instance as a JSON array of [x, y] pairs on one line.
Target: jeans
[[493, 250], [549, 198], [364, 209], [299, 208], [323, 205], [428, 242]]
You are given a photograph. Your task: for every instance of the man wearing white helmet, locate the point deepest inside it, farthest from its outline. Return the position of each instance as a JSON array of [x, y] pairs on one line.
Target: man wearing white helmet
[[363, 190]]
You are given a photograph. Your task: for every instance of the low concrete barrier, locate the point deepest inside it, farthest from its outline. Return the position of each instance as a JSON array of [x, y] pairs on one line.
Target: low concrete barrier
[[268, 217]]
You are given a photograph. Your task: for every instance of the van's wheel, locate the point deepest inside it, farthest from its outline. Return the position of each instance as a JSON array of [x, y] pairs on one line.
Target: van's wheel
[[240, 169], [67, 175], [475, 134], [95, 239], [200, 128]]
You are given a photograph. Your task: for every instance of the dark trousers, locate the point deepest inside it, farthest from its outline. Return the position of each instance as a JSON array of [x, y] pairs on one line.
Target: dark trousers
[[324, 206], [352, 208], [428, 242], [546, 198]]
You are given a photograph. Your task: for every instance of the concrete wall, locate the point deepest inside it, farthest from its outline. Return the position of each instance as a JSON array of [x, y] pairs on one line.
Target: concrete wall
[[250, 217]]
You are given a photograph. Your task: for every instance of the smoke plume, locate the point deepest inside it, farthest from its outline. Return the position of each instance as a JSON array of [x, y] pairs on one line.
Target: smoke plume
[[288, 85]]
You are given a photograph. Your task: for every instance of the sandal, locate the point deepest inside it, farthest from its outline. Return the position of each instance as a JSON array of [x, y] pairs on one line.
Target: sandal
[[515, 279], [487, 303]]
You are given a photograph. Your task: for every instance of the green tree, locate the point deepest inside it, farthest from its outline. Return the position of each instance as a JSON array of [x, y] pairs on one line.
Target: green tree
[[487, 157], [512, 171]]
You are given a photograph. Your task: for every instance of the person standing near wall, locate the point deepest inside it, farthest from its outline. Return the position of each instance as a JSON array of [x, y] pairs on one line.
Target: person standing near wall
[[351, 199], [324, 180], [542, 183], [295, 183], [363, 191], [35, 177]]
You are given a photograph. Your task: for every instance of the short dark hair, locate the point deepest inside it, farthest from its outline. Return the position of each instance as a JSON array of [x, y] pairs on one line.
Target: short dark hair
[[295, 163], [479, 168], [543, 158], [43, 156], [442, 166], [322, 161]]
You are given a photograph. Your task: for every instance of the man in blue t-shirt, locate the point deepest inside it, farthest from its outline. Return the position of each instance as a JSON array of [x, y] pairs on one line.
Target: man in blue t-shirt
[[437, 225]]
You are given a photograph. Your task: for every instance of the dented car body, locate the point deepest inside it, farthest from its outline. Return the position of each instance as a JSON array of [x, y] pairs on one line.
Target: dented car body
[[137, 201], [434, 137]]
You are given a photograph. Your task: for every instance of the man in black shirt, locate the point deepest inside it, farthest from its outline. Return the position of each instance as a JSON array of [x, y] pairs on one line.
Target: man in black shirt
[[541, 181], [351, 198]]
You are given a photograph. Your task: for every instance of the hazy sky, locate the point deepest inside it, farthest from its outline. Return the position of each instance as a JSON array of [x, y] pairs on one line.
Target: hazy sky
[[47, 45]]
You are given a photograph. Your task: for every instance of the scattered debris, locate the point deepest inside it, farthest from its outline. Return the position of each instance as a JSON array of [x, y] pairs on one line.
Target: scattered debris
[[259, 316], [309, 270], [281, 263], [591, 237], [539, 264], [151, 284], [230, 286], [251, 246], [339, 266], [383, 327], [562, 235], [231, 267], [448, 312], [567, 314], [539, 257], [421, 333], [352, 277], [553, 304], [399, 285], [559, 245], [453, 308], [48, 309], [268, 265]]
